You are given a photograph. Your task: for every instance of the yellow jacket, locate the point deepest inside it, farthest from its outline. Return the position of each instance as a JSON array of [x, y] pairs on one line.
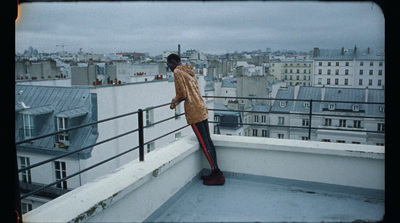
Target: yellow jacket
[[187, 88]]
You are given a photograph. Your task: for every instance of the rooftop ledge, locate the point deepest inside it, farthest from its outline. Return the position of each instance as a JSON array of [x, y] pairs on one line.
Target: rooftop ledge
[[135, 191]]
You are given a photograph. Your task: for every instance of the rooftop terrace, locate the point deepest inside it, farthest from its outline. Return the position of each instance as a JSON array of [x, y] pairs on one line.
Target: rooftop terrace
[[249, 198], [268, 180]]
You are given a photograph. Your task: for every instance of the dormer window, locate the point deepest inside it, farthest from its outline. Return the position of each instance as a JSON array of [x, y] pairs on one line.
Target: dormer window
[[331, 107], [282, 104], [381, 109], [28, 126], [356, 108], [306, 104], [62, 138]]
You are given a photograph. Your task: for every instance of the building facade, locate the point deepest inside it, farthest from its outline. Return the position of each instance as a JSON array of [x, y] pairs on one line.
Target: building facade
[[42, 110], [349, 68], [292, 72]]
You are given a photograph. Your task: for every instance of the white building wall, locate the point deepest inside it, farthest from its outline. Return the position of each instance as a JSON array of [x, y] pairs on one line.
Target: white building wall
[[328, 74], [373, 76]]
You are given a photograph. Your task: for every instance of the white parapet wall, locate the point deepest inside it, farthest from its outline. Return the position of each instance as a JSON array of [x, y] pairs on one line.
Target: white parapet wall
[[353, 165], [133, 192], [130, 193]]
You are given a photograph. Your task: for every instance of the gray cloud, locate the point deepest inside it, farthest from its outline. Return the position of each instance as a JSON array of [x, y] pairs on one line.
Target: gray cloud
[[208, 26]]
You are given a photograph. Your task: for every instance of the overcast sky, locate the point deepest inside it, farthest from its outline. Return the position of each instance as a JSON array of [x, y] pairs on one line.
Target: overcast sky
[[211, 27]]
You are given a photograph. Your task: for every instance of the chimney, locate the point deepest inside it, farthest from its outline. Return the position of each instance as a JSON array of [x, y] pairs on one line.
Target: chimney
[[316, 52], [342, 52], [355, 50], [366, 94], [179, 49], [368, 51], [323, 92]]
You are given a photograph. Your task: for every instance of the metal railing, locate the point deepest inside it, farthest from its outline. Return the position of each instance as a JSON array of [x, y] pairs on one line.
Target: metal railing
[[140, 146], [310, 114], [140, 129]]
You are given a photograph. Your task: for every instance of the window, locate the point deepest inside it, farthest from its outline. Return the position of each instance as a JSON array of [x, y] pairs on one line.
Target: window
[[361, 63], [371, 72], [361, 72], [319, 71], [265, 133], [282, 104], [28, 126], [347, 63], [371, 63], [336, 81], [305, 122], [342, 123], [357, 124], [178, 111], [346, 72], [60, 172], [25, 176], [319, 80], [337, 63], [62, 124], [380, 72], [306, 104], [25, 207], [329, 64], [346, 81], [380, 64], [356, 108], [149, 117], [151, 146], [328, 81], [381, 127], [340, 141], [329, 72], [320, 63], [370, 82], [328, 122], [263, 119], [177, 135], [255, 132], [331, 107], [281, 120], [281, 136], [337, 71], [360, 82], [304, 138], [325, 140], [256, 118]]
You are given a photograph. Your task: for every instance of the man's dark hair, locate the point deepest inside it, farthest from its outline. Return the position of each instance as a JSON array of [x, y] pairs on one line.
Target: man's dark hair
[[174, 57]]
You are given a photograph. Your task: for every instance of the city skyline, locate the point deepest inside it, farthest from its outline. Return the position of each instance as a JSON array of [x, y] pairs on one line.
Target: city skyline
[[214, 28]]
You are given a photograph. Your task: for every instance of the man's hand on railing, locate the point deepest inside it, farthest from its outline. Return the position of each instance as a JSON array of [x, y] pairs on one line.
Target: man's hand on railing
[[173, 105], [175, 102]]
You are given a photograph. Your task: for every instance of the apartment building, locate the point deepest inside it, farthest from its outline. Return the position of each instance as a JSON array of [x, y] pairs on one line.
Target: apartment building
[[292, 72], [353, 68]]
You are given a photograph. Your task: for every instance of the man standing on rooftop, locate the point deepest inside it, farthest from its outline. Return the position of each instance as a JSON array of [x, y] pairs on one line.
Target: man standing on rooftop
[[187, 89]]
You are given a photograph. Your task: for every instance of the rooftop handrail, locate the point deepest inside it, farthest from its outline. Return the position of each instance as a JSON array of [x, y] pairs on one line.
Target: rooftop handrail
[[141, 127], [310, 114], [292, 99], [140, 145]]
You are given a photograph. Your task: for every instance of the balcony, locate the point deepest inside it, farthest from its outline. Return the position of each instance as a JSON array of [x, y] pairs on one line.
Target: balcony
[[268, 180]]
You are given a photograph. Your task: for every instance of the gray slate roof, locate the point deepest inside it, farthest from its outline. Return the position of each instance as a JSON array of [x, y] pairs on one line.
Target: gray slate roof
[[45, 104], [356, 96]]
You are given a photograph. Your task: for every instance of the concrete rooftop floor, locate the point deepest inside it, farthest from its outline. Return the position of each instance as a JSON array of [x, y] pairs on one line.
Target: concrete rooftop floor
[[247, 198]]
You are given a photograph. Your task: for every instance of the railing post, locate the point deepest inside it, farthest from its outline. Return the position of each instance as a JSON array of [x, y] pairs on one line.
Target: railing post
[[141, 135], [309, 121]]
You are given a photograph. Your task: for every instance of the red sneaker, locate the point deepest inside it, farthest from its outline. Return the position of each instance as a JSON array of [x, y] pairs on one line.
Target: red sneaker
[[216, 178]]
